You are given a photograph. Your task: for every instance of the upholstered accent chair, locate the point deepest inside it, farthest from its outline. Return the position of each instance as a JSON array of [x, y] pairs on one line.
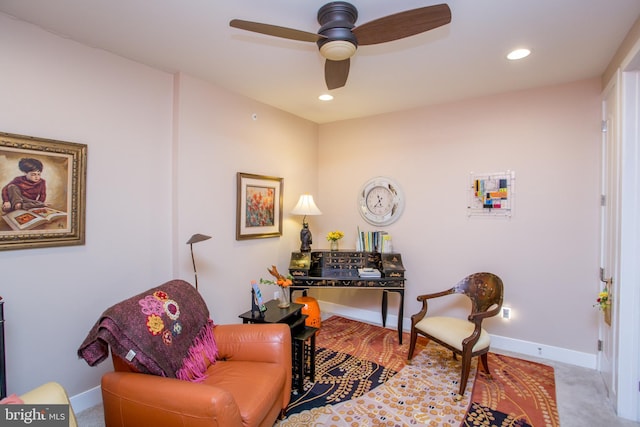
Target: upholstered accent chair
[[175, 367], [249, 385], [47, 394], [464, 337]]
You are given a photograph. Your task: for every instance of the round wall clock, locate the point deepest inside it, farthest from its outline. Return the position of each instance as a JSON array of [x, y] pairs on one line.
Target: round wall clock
[[380, 201]]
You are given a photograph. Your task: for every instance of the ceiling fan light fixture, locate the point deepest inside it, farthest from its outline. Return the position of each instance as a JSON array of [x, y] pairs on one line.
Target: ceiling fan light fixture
[[325, 97], [338, 50], [518, 54]]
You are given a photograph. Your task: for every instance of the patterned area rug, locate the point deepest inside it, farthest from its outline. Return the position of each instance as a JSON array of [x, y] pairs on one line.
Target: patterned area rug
[[520, 393], [339, 377], [373, 386], [351, 359]]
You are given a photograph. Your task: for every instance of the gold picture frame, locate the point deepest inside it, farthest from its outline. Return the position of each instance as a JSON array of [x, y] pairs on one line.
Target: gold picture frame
[[38, 214], [259, 206]]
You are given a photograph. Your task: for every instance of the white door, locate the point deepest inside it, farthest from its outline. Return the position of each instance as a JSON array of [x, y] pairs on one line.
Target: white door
[[628, 288], [610, 235]]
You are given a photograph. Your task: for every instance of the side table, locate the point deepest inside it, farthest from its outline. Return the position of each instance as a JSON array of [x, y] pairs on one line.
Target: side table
[[291, 315], [301, 353], [305, 356]]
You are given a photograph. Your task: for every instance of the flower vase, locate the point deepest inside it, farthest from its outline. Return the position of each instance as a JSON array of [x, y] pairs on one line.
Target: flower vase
[[334, 245], [283, 299]]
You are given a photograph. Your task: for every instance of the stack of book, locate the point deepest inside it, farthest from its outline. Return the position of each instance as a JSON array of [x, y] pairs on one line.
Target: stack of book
[[369, 272], [374, 241]]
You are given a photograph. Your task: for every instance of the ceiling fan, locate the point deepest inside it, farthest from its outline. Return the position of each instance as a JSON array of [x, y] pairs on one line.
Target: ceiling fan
[[338, 37]]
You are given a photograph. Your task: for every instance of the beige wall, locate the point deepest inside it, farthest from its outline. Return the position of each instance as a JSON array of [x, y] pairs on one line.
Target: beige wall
[[163, 153], [547, 253], [218, 137], [57, 89], [625, 51]]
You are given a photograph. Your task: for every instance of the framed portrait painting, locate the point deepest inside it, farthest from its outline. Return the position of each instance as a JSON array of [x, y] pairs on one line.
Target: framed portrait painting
[[43, 185], [259, 206]]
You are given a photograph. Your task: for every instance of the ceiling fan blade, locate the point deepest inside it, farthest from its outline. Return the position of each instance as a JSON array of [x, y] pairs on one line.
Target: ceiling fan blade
[[336, 73], [274, 30], [402, 24]]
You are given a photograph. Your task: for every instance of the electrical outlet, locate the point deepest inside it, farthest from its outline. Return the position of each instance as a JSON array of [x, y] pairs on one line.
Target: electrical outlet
[[506, 313]]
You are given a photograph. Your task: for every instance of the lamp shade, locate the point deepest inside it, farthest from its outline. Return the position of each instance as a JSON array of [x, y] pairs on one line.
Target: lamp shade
[[197, 238], [306, 206]]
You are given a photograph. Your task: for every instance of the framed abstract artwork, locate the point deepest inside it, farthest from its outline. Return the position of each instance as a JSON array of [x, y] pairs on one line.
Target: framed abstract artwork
[[259, 206], [43, 185], [491, 194]]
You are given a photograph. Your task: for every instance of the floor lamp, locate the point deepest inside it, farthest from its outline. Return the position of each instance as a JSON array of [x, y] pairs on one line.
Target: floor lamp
[[3, 370], [195, 239]]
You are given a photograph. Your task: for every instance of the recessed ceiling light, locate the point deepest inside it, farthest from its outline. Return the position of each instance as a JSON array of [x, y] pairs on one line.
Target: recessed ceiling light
[[518, 54], [325, 97]]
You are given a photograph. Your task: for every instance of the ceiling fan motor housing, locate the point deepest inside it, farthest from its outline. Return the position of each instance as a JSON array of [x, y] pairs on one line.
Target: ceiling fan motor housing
[[336, 20]]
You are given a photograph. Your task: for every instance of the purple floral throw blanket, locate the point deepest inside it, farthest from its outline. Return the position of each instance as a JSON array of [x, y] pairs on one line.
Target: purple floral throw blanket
[[164, 331]]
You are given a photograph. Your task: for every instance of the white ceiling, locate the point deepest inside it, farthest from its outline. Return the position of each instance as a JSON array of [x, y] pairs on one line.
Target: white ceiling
[[570, 40]]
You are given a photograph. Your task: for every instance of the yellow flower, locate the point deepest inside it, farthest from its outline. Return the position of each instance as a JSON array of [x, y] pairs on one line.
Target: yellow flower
[[335, 235], [155, 324], [603, 300]]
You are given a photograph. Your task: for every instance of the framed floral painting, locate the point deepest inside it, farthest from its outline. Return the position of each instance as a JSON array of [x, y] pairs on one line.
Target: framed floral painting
[[43, 192], [259, 206]]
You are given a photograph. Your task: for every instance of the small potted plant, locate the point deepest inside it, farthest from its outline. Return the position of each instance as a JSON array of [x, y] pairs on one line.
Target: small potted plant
[[282, 282], [333, 237], [603, 302]]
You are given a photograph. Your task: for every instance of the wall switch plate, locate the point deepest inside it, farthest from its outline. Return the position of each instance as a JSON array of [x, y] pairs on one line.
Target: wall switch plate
[[506, 313]]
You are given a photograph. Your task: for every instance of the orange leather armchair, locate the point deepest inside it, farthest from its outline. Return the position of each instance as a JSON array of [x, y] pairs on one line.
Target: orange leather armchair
[[249, 385]]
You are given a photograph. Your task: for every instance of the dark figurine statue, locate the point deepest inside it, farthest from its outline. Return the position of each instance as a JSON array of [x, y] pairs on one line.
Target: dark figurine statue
[[305, 238]]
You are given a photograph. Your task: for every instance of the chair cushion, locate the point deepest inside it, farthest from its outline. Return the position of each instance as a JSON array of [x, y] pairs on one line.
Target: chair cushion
[[50, 393], [255, 386], [452, 331]]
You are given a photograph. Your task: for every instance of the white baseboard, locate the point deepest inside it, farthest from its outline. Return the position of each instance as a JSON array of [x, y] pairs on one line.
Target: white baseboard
[[527, 348], [86, 399], [543, 351]]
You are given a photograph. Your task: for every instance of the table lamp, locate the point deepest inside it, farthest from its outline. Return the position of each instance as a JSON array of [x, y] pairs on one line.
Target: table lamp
[[196, 238], [305, 206]]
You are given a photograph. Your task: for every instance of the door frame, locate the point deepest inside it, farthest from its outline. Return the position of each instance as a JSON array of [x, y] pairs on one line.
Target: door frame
[[628, 396], [627, 318], [610, 226]]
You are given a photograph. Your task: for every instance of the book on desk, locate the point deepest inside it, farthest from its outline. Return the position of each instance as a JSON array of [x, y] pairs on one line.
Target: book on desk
[[369, 272]]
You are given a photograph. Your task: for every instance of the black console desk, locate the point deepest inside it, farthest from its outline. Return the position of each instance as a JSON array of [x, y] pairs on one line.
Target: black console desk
[[339, 270]]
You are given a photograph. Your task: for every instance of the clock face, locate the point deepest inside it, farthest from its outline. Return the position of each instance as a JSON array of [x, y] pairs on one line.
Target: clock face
[[380, 201]]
